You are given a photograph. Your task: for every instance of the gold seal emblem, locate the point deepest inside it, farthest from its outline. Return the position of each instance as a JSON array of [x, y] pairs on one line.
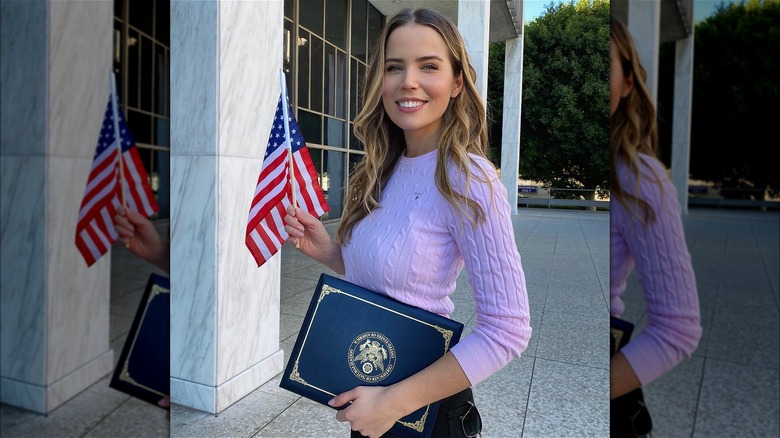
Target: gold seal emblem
[[371, 357]]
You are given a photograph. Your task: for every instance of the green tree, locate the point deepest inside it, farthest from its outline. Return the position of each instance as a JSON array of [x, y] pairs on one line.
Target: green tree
[[495, 98], [735, 98], [565, 117]]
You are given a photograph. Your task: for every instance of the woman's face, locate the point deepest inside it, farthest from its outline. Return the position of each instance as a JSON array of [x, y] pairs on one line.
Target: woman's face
[[419, 80], [619, 85]]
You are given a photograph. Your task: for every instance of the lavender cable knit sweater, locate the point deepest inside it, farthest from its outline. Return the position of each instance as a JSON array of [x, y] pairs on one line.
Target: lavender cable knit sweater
[[663, 265], [414, 246]]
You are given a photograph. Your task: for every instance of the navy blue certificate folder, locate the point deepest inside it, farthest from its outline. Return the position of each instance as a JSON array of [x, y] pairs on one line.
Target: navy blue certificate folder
[[143, 370], [355, 337]]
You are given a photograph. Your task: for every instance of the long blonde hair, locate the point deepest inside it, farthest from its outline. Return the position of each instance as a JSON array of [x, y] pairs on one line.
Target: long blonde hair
[[464, 128], [633, 128]]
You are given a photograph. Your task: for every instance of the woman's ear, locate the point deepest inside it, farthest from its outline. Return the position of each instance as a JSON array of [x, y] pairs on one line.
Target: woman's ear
[[457, 86]]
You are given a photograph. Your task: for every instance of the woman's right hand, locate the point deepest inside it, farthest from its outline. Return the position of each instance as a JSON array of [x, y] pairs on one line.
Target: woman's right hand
[[309, 235]]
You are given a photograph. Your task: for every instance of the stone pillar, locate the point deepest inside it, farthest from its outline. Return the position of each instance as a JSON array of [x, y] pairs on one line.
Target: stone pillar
[[54, 311], [225, 62], [644, 23], [510, 131], [681, 125], [474, 26]]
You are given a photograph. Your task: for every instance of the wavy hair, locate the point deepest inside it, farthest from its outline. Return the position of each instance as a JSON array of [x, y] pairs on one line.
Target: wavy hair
[[633, 128], [464, 129]]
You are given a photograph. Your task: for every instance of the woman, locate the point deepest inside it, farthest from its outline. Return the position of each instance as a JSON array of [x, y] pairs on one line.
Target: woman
[[423, 203], [646, 232]]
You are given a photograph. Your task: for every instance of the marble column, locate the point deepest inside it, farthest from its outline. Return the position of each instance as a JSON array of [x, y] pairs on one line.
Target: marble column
[[474, 26], [510, 131], [681, 125], [54, 312], [225, 62], [644, 23]]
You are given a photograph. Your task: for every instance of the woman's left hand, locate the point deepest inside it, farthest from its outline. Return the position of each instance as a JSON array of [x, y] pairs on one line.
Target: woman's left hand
[[372, 412]]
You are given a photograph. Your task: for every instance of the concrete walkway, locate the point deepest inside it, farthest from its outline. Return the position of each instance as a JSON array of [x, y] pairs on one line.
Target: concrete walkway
[[729, 387]]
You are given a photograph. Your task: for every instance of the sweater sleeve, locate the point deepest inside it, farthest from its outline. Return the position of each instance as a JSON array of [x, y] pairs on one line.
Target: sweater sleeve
[[666, 276], [497, 281]]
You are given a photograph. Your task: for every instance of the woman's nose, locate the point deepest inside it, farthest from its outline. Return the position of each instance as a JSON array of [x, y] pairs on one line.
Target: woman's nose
[[410, 80]]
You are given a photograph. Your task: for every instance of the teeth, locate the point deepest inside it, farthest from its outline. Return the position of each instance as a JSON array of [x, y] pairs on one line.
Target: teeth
[[410, 104]]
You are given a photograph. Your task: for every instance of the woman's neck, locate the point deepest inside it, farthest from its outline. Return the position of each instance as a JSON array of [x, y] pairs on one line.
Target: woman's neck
[[417, 145]]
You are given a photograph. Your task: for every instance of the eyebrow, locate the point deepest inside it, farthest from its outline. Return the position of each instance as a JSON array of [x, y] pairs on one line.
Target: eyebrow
[[420, 59]]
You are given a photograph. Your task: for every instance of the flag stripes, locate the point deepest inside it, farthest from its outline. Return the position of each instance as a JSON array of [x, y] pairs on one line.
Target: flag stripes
[[265, 233], [95, 230]]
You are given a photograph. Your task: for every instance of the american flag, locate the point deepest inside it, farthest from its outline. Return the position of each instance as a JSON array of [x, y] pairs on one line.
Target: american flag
[[95, 231], [265, 232]]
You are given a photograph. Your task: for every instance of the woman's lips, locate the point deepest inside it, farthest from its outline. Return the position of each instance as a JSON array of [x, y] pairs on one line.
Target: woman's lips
[[410, 106]]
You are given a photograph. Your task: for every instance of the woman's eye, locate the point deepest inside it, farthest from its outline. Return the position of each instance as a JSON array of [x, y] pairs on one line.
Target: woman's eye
[[429, 67], [393, 68]]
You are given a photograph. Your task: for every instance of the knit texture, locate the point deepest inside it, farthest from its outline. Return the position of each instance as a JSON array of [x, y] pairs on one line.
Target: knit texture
[[414, 246], [660, 255]]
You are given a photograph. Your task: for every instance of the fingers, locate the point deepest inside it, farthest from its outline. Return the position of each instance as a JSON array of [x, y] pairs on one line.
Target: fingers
[[342, 399], [124, 228], [294, 227], [305, 218]]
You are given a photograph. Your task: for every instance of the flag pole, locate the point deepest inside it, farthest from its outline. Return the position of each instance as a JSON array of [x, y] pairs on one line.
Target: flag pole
[[118, 137], [286, 116], [285, 105]]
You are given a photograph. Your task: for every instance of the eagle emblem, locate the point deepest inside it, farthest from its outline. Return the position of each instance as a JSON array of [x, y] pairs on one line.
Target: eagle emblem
[[371, 357]]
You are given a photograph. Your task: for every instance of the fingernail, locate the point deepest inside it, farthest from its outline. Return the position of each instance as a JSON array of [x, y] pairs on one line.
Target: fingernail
[[332, 401]]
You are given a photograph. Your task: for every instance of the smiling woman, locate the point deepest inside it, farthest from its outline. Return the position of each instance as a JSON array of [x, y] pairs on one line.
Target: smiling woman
[[424, 203], [418, 84]]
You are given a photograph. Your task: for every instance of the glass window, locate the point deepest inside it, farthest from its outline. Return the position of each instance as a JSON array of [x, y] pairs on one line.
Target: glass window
[[333, 181], [334, 132], [161, 81], [142, 65], [341, 84], [133, 62], [375, 23], [310, 14], [146, 73], [316, 88], [140, 125], [359, 18], [288, 9], [330, 80], [311, 127], [162, 22], [287, 62], [162, 132], [142, 15], [304, 61], [336, 23]]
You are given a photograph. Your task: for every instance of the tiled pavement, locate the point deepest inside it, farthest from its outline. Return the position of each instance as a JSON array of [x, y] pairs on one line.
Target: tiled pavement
[[729, 388]]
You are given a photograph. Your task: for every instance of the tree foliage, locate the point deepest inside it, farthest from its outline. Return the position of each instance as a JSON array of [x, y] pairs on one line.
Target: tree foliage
[[565, 114], [495, 98], [735, 98]]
